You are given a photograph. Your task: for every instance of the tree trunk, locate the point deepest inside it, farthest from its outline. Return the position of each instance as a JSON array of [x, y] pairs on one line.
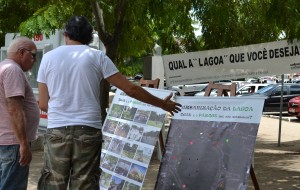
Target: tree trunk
[[111, 43], [104, 85]]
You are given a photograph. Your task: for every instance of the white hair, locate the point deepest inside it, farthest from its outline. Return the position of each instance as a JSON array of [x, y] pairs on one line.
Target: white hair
[[19, 42]]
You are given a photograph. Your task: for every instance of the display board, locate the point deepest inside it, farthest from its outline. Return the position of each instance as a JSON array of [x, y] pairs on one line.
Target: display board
[[130, 133], [272, 58], [210, 144]]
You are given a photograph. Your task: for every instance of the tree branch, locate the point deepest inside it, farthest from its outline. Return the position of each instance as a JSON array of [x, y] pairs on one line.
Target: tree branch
[[104, 36]]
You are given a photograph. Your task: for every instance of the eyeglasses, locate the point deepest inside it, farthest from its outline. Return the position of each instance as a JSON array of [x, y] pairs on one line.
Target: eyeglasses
[[32, 54]]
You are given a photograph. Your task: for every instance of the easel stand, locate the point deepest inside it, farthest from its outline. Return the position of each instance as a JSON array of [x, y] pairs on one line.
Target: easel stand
[[223, 90]]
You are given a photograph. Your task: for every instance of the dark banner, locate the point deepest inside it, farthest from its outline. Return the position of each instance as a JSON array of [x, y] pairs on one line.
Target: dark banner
[[210, 144]]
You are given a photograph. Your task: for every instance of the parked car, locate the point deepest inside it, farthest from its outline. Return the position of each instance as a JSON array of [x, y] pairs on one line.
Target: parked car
[[294, 107], [240, 83], [250, 88], [253, 80], [272, 93], [188, 89], [246, 89], [214, 91]]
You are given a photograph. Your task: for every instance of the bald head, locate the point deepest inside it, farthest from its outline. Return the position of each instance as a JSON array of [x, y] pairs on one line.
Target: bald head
[[22, 50], [18, 43]]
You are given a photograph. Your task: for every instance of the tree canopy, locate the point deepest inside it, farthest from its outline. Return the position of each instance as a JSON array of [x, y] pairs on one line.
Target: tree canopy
[[167, 23], [234, 23], [12, 14], [129, 29], [144, 23]]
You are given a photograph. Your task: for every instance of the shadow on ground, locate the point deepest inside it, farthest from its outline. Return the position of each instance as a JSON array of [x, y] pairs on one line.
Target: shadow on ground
[[277, 167]]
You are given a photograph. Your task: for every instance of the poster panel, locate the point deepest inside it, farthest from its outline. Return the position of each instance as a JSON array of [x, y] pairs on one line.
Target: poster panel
[[210, 144], [263, 59], [130, 133]]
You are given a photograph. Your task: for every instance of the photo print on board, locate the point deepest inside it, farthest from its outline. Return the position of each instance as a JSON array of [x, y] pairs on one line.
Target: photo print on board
[[116, 110], [106, 142], [143, 154], [141, 116], [128, 113], [110, 162], [131, 186], [137, 173], [156, 119], [116, 183], [136, 132], [122, 129], [129, 150], [105, 179], [123, 167], [110, 126], [150, 136], [116, 146]]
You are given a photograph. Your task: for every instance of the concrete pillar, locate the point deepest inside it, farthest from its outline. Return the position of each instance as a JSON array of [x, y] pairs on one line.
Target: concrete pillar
[[153, 68]]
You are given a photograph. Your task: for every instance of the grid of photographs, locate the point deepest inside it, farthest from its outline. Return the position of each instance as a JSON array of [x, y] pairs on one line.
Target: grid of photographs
[[129, 134]]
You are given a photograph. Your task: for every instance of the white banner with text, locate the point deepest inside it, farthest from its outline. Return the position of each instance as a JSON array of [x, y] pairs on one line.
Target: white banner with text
[[264, 59]]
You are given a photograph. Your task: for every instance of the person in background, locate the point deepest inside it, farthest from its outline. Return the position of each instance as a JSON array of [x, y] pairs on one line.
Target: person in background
[[69, 89], [19, 115], [252, 89]]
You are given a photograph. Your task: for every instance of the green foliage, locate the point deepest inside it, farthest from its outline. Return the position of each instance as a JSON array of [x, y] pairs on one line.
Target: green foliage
[[172, 26], [135, 39], [46, 19], [12, 14], [285, 14], [234, 23], [168, 23], [132, 66]]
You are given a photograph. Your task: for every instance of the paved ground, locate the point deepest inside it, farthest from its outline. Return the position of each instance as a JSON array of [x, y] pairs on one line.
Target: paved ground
[[276, 167], [37, 164]]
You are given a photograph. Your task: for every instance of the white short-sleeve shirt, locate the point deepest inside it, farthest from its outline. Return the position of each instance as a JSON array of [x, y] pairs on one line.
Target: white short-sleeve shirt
[[72, 74]]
